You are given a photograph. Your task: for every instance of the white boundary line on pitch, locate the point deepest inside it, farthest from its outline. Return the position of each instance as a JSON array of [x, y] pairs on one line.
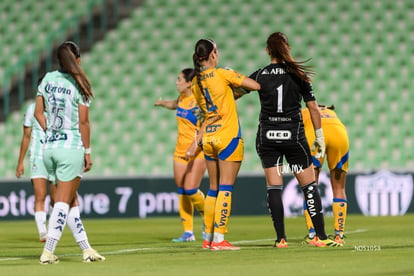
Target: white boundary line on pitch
[[121, 251]]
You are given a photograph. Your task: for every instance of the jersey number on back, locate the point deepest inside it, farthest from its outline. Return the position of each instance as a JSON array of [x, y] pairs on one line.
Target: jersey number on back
[[209, 103], [279, 92], [57, 117]]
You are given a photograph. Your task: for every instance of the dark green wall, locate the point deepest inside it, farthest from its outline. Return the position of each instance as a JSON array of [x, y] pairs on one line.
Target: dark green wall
[[380, 193]]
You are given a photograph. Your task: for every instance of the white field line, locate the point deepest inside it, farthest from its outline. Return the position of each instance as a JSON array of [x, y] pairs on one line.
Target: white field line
[[121, 251]]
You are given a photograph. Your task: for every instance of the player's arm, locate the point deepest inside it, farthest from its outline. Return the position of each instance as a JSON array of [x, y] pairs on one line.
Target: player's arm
[[39, 112], [319, 143], [195, 148], [172, 105], [24, 145], [85, 131], [239, 92], [314, 114], [248, 84]]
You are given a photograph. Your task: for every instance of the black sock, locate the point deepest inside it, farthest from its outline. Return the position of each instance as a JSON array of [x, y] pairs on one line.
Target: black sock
[[275, 205], [314, 206]]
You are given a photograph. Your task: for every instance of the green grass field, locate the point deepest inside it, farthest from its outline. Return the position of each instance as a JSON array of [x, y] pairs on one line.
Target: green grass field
[[374, 246]]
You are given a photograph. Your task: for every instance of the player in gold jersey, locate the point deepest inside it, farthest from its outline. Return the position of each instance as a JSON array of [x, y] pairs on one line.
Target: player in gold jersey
[[337, 155], [189, 164], [221, 137]]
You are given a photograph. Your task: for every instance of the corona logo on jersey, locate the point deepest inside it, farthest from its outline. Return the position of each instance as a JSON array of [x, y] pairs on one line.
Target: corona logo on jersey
[[293, 196], [384, 193]]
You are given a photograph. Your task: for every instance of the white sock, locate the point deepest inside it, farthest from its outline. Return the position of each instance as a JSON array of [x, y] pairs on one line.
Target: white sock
[[40, 219], [76, 226], [209, 237], [50, 210], [57, 223], [218, 237]]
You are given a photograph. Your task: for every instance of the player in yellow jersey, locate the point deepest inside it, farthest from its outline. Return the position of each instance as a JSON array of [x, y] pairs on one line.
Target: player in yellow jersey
[[189, 163], [337, 155], [221, 137]]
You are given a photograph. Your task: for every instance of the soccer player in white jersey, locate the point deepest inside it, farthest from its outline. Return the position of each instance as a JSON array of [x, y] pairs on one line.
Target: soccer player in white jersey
[[32, 139], [34, 136], [62, 110]]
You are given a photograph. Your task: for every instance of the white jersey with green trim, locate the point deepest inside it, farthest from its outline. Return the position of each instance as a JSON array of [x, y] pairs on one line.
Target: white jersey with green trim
[[61, 98], [37, 135]]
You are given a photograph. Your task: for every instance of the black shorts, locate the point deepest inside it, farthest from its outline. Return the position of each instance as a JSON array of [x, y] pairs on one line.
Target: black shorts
[[273, 146]]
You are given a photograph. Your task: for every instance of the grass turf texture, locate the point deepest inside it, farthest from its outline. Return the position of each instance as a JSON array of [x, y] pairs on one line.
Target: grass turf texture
[[374, 246]]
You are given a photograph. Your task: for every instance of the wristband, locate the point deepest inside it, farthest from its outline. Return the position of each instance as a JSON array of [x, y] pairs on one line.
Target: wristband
[[88, 150]]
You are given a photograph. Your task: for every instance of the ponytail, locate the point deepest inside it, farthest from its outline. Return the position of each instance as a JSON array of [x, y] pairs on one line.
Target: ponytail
[[278, 46], [197, 71], [202, 51], [67, 54]]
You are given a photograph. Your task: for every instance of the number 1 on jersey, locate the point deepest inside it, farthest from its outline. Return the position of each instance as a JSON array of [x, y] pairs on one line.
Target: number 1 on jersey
[[279, 99]]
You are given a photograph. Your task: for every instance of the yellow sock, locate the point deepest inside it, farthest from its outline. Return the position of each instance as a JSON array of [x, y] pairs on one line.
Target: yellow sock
[[186, 210], [308, 220], [339, 207], [197, 198], [223, 209], [209, 210]]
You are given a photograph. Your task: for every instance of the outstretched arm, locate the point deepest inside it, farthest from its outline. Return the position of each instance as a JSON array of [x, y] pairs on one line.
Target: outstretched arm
[[167, 104]]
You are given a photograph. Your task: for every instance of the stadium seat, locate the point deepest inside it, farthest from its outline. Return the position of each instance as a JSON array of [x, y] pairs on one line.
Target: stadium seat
[[360, 51]]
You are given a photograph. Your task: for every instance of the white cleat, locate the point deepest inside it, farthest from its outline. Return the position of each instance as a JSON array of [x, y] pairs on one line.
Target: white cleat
[[91, 255], [48, 257]]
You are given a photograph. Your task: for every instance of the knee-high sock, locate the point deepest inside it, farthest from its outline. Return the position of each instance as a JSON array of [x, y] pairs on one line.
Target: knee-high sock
[[57, 223], [209, 211], [76, 226], [223, 208], [196, 196], [276, 210], [40, 219], [308, 220], [339, 209], [314, 207], [186, 210]]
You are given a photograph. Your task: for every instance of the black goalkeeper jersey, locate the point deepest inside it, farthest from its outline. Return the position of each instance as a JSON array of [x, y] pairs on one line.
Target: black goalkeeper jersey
[[281, 94]]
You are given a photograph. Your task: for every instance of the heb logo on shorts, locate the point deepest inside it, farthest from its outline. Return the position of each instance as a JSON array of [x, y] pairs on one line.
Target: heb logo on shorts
[[384, 193], [278, 134]]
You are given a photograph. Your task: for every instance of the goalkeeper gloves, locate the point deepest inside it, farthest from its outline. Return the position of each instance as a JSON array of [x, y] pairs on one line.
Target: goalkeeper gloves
[[319, 144]]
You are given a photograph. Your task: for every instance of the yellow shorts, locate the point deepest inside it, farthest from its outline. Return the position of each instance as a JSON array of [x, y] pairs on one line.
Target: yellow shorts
[[181, 158], [226, 149], [337, 147]]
